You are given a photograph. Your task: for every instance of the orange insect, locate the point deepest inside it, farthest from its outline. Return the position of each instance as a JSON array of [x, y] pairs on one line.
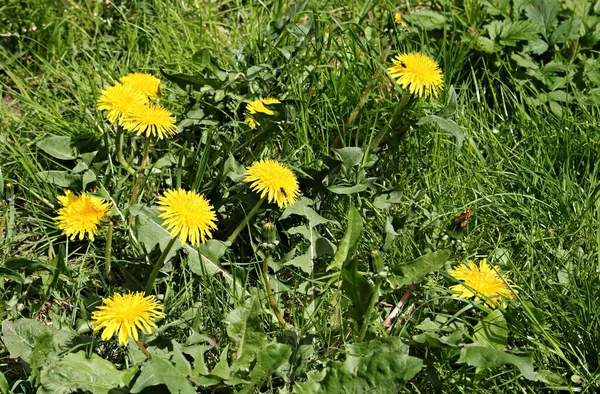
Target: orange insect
[[461, 220]]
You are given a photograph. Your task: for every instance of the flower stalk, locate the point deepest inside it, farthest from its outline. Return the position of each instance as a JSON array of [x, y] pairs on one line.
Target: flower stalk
[[244, 222], [269, 290], [159, 263], [107, 254]]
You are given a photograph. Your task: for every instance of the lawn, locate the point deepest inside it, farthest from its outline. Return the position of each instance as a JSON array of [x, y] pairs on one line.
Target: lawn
[[299, 197]]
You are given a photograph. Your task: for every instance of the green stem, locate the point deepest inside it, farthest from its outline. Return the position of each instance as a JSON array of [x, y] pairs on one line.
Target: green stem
[[399, 108], [158, 266], [107, 254], [119, 150], [367, 317], [244, 222], [140, 177], [269, 290]]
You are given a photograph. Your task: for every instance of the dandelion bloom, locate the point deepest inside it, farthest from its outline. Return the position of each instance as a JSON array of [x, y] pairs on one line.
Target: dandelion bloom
[[399, 21], [81, 214], [273, 180], [481, 282], [125, 314], [251, 122], [417, 72], [151, 120], [118, 100], [145, 83], [258, 106], [187, 215]]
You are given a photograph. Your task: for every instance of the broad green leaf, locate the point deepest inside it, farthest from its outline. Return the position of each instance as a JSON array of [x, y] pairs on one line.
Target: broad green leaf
[[76, 372], [543, 13], [349, 242], [159, 370], [222, 369], [380, 366], [197, 82], [3, 384], [426, 19], [514, 32], [524, 60], [245, 328], [415, 271], [59, 147], [558, 95], [22, 336], [492, 331], [486, 357], [58, 178], [451, 104], [87, 178], [350, 156], [385, 201], [550, 377], [487, 45], [302, 261], [568, 30], [361, 187], [181, 363], [302, 208], [357, 289], [447, 125], [537, 46], [268, 360], [150, 233]]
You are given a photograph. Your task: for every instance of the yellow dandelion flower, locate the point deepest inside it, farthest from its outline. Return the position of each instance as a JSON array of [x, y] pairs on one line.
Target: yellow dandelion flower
[[399, 21], [151, 120], [125, 314], [251, 122], [81, 214], [259, 106], [481, 282], [117, 100], [145, 83], [187, 215], [419, 73], [273, 180]]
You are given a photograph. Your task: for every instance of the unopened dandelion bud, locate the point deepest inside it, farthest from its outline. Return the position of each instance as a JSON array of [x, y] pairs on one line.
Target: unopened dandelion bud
[[377, 263]]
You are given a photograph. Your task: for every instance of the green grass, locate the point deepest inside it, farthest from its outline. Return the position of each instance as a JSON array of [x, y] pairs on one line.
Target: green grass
[[530, 176]]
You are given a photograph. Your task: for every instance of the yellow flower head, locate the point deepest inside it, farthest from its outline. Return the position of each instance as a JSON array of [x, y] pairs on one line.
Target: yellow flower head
[[125, 314], [81, 214], [251, 122], [481, 282], [259, 106], [399, 21], [117, 100], [187, 215], [145, 83], [419, 73], [273, 180], [151, 120]]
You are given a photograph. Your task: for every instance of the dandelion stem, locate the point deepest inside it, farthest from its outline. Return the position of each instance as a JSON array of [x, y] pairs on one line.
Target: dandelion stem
[[140, 177], [363, 99], [393, 121], [390, 319], [143, 348], [119, 150], [107, 254], [367, 317], [244, 222], [158, 266], [269, 290]]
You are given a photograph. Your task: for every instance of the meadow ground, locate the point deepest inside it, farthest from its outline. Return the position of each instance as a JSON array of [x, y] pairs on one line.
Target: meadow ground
[[513, 136]]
